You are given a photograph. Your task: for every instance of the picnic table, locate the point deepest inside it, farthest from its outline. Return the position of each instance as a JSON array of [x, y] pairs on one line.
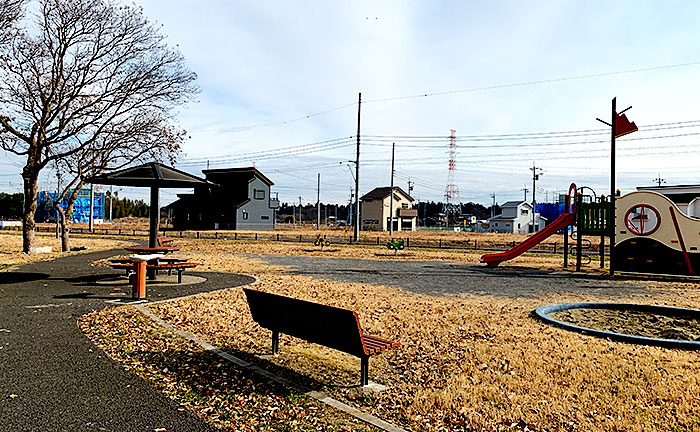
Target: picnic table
[[155, 263]]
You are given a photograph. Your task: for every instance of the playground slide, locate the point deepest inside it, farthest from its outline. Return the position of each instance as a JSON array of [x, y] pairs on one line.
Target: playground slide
[[562, 221]]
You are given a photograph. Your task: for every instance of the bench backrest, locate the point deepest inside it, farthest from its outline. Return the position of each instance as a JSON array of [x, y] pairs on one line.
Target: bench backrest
[[324, 325]]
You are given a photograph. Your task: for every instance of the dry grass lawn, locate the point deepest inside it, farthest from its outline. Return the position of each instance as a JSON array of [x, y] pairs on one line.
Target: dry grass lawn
[[11, 247], [466, 362]]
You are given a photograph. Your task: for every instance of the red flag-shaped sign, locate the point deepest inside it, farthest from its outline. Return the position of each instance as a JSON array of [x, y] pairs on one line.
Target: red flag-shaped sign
[[624, 126]]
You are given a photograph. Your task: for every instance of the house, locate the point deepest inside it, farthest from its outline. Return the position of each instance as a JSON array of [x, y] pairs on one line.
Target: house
[[376, 207], [241, 201], [686, 197], [516, 217]]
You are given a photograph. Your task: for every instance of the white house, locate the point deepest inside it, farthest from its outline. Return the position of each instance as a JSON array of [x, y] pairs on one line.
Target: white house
[[516, 217]]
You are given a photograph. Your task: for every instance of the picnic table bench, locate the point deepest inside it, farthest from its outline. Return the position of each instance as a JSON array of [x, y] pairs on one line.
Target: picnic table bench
[[316, 323], [180, 267]]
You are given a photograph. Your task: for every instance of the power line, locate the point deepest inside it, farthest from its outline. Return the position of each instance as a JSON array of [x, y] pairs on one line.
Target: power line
[[528, 83]]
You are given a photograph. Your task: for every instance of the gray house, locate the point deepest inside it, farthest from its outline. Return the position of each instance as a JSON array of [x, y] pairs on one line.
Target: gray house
[[241, 201], [516, 217]]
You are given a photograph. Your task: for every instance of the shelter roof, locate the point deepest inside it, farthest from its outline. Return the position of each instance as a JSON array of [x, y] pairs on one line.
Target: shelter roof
[[150, 174]]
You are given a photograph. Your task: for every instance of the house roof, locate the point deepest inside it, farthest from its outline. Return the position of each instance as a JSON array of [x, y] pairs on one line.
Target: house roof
[[383, 192], [514, 203], [244, 174]]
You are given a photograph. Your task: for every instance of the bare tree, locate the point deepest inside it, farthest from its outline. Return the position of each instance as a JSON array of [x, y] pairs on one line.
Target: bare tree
[[83, 74], [141, 138], [10, 12]]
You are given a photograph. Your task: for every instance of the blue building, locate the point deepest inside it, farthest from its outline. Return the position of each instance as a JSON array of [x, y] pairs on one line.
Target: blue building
[[81, 209]]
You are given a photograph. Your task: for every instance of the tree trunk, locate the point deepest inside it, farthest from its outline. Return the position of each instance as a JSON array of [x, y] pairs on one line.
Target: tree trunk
[[30, 193], [65, 231]]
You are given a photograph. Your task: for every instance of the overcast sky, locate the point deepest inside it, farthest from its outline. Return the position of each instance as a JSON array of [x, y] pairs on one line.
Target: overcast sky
[[487, 68]]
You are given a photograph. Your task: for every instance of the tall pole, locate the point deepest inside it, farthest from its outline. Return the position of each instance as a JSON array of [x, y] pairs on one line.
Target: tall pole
[[111, 194], [391, 194], [92, 206], [155, 217], [356, 233], [300, 223], [493, 204], [535, 177], [613, 132], [318, 203]]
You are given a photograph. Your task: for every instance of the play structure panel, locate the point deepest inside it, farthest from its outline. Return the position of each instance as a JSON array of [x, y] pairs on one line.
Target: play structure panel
[[654, 236]]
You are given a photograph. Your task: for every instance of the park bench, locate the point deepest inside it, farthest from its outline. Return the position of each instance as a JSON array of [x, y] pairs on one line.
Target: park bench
[[313, 322], [180, 267]]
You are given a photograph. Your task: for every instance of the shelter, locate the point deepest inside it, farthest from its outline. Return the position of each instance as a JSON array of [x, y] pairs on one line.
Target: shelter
[[155, 176]]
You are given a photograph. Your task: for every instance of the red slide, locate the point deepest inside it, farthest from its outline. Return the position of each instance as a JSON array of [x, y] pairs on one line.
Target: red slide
[[562, 221]]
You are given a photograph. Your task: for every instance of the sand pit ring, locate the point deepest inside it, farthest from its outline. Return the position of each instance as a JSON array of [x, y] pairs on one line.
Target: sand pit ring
[[544, 312]]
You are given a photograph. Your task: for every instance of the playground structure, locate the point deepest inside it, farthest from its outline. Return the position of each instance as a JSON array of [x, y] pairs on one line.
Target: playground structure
[[321, 241], [587, 213], [654, 236], [396, 245]]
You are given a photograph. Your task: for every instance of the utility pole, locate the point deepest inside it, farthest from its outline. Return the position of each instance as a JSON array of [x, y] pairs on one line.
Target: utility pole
[[525, 191], [318, 203], [356, 233], [493, 204], [391, 194], [535, 176], [350, 218], [659, 180], [613, 132], [410, 186], [300, 223]]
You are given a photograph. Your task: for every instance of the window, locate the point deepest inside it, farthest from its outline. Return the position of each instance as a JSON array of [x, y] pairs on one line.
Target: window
[[265, 217], [245, 214], [404, 205], [259, 194], [523, 211]]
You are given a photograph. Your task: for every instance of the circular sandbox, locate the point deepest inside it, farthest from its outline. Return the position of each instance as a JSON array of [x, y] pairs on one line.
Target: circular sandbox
[[634, 323]]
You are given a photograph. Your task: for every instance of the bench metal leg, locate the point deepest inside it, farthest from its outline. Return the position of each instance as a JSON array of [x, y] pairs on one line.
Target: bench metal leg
[[364, 371], [275, 342], [179, 275]]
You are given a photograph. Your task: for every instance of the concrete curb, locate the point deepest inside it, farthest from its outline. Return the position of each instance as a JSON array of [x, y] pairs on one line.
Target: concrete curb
[[319, 396]]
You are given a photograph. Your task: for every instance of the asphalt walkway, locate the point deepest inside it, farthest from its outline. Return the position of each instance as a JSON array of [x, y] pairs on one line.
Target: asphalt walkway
[[52, 377], [445, 278]]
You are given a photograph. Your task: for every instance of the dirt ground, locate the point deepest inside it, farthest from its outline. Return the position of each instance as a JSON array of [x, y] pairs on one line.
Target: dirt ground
[[634, 323]]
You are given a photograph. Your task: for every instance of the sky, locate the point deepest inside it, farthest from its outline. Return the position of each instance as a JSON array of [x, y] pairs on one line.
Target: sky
[[280, 81]]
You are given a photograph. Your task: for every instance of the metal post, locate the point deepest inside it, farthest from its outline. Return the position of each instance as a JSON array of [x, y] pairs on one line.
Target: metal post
[[612, 185], [356, 232], [391, 194], [154, 217], [318, 203], [92, 206]]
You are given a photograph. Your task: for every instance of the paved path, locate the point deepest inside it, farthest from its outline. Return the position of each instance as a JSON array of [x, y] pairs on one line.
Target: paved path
[[62, 381], [444, 278]]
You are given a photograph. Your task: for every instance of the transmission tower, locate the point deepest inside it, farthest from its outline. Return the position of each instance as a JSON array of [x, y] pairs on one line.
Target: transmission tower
[[451, 190]]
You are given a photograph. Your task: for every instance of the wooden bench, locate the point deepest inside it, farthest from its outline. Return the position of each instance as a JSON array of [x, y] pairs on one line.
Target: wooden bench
[[180, 267], [320, 324]]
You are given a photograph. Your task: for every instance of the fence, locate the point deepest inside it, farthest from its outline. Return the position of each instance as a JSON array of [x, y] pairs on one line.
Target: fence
[[481, 245]]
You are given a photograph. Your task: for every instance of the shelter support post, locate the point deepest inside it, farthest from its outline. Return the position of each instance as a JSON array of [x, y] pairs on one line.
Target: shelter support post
[[154, 214]]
